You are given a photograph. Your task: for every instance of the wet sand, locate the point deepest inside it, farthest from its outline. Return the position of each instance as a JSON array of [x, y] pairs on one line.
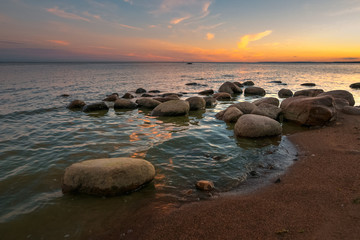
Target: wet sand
[[317, 198]]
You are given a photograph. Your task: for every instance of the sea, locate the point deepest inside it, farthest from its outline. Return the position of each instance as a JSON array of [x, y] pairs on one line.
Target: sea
[[40, 138]]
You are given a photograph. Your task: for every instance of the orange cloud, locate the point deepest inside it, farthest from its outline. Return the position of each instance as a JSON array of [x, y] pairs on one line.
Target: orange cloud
[[178, 20], [61, 13], [59, 42], [246, 39], [210, 36]]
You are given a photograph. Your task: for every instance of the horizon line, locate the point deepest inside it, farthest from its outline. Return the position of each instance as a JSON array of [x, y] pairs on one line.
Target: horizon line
[[186, 62]]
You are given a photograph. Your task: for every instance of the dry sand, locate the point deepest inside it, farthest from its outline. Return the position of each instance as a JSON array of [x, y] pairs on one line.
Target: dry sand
[[317, 198]]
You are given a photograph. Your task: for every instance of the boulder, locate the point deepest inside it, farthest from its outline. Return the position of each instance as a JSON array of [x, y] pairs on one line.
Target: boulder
[[230, 88], [210, 102], [350, 110], [148, 103], [128, 96], [140, 90], [108, 176], [112, 98], [76, 104], [147, 95], [123, 103], [311, 111], [94, 107], [205, 185], [254, 91], [252, 126], [285, 93], [167, 98], [196, 103], [340, 103], [268, 110], [308, 92], [231, 115], [240, 85], [308, 84], [355, 85], [207, 92], [245, 107], [269, 100], [154, 91], [248, 83], [340, 94], [222, 96], [171, 94], [172, 108]]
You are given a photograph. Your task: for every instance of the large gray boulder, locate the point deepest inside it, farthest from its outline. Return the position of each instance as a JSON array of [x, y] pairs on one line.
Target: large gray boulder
[[245, 107], [172, 108], [123, 103], [254, 91], [311, 111], [196, 103], [252, 126], [108, 176], [285, 93], [230, 88], [269, 100], [308, 92], [148, 103], [95, 107], [268, 110], [76, 104], [342, 94]]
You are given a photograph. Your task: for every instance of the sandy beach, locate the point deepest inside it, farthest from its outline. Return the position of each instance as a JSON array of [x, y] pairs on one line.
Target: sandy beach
[[317, 198]]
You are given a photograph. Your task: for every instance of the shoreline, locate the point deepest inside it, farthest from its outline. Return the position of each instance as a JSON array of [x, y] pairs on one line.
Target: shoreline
[[317, 198]]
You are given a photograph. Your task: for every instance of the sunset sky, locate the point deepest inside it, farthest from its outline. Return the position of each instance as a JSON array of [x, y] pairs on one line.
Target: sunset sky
[[180, 30]]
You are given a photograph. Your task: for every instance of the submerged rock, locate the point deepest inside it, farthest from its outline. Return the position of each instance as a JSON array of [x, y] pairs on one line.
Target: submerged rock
[[148, 103], [108, 176], [167, 98], [76, 104], [205, 185], [128, 96], [94, 107], [308, 92], [253, 126], [222, 96], [210, 102], [285, 93], [124, 104], [254, 91], [111, 98], [140, 90], [311, 111], [308, 84], [172, 108], [196, 103], [355, 85]]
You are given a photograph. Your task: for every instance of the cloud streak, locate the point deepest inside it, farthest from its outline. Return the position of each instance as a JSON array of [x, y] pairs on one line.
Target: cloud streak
[[59, 42], [61, 13], [179, 20], [246, 39], [129, 27]]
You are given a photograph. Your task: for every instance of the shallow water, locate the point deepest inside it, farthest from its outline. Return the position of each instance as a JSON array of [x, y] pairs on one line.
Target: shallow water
[[40, 137]]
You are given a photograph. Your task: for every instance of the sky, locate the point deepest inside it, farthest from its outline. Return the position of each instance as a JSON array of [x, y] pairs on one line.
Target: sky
[[180, 30]]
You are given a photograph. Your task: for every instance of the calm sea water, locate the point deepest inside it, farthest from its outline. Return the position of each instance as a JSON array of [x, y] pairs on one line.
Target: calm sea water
[[40, 138]]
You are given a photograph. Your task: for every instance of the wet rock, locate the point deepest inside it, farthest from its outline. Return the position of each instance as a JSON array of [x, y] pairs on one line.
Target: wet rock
[[147, 95], [268, 110], [128, 96], [240, 85], [230, 115], [254, 91], [355, 85], [248, 83], [172, 108], [112, 98], [310, 111], [342, 94], [254, 174], [285, 93], [171, 94], [253, 126], [278, 82], [308, 92], [350, 110], [154, 91], [76, 104], [207, 92], [192, 84], [94, 107], [308, 84], [147, 103], [205, 185], [210, 102], [196, 103], [124, 104], [340, 103], [269, 100], [222, 96], [231, 88], [108, 176], [167, 98], [140, 90], [65, 95], [278, 180], [245, 107]]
